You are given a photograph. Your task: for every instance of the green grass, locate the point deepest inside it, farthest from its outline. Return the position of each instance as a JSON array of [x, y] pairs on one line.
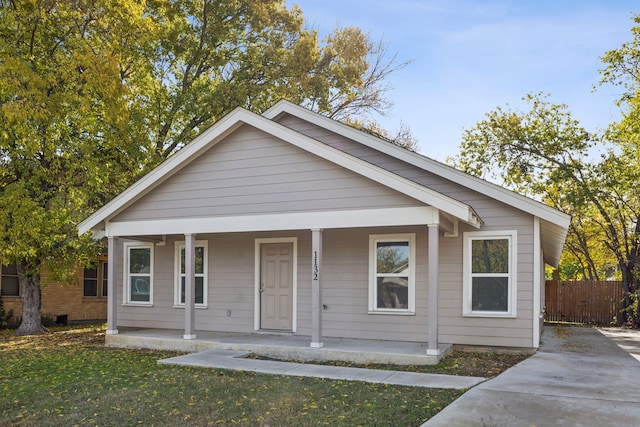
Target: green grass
[[69, 378]]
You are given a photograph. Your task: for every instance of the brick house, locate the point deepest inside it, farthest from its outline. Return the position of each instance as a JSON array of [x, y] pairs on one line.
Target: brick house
[[62, 302]]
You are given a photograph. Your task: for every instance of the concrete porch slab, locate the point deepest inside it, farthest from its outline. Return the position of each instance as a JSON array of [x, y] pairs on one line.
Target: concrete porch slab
[[292, 347]]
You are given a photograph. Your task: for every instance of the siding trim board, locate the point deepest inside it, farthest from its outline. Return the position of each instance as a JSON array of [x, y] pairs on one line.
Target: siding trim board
[[294, 221]]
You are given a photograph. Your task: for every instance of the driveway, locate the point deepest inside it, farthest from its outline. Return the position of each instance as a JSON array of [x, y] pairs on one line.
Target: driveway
[[579, 377]]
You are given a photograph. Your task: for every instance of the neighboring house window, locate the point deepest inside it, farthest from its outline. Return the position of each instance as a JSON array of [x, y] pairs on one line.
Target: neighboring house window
[[95, 280], [9, 281], [200, 273], [138, 273], [489, 274], [392, 273]]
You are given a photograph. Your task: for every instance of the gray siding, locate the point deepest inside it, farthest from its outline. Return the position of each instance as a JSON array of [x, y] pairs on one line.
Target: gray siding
[[253, 173]]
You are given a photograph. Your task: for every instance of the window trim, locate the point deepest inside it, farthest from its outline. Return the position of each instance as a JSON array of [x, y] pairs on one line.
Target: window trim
[[374, 239], [127, 286], [179, 245], [467, 275]]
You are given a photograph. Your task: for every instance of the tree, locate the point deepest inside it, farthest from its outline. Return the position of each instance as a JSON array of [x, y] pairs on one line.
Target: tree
[[95, 93], [61, 110], [544, 153], [623, 69], [209, 57]]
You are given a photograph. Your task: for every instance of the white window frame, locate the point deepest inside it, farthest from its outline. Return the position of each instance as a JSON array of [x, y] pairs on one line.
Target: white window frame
[[374, 239], [467, 275], [179, 246], [127, 285]]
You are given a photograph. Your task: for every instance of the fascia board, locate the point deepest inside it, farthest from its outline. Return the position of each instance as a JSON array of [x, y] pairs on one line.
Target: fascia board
[[474, 183], [420, 215]]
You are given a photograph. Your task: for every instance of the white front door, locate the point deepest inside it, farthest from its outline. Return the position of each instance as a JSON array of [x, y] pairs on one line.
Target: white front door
[[276, 286]]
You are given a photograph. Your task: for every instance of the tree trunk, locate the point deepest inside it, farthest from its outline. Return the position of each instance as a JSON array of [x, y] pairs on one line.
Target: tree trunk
[[631, 313], [30, 296]]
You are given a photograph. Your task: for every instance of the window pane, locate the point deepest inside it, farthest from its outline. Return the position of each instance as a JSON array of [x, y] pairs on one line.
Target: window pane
[[392, 257], [199, 260], [490, 256], [140, 290], [393, 292], [10, 270], [199, 290], [490, 294], [90, 287], [105, 278], [90, 273], [10, 286], [140, 260]]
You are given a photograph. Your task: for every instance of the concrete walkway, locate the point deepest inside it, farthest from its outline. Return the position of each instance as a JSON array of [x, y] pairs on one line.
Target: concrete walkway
[[579, 377], [227, 359]]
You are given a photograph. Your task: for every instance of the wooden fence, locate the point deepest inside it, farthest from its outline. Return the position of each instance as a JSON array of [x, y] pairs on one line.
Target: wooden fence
[[595, 303]]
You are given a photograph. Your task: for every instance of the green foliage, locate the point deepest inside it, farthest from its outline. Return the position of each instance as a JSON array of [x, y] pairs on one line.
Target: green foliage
[[545, 154], [69, 378], [204, 58]]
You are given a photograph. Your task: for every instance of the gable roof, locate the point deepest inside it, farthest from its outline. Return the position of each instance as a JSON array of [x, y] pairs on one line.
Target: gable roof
[[239, 117], [554, 224]]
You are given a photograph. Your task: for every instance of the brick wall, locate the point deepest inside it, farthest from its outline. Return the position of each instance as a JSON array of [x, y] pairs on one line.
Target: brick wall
[[59, 299]]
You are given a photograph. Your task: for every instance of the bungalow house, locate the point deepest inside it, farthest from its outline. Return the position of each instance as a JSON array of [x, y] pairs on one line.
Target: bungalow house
[[291, 223]]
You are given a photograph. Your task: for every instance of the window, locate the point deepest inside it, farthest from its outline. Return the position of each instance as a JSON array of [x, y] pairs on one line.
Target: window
[[9, 281], [200, 273], [95, 280], [138, 271], [392, 273], [490, 274]]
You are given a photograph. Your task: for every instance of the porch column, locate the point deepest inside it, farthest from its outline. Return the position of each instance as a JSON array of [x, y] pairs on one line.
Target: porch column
[[112, 290], [189, 287], [316, 288], [433, 263]]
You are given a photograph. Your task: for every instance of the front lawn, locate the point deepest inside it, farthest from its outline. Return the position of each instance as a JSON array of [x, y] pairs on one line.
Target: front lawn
[[69, 378]]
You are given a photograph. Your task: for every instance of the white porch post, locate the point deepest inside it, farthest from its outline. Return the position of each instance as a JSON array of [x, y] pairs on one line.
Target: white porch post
[[433, 263], [112, 294], [189, 286], [316, 288]]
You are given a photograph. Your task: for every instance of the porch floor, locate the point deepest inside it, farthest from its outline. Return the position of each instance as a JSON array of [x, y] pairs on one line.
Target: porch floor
[[292, 347]]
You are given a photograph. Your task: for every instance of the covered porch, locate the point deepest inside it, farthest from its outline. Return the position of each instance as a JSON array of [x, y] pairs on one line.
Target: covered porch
[[289, 347], [312, 345]]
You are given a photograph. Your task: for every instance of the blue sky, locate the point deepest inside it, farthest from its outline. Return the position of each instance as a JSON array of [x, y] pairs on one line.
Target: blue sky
[[468, 57]]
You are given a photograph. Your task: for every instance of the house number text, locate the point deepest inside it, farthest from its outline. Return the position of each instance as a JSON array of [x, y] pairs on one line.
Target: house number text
[[316, 269]]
